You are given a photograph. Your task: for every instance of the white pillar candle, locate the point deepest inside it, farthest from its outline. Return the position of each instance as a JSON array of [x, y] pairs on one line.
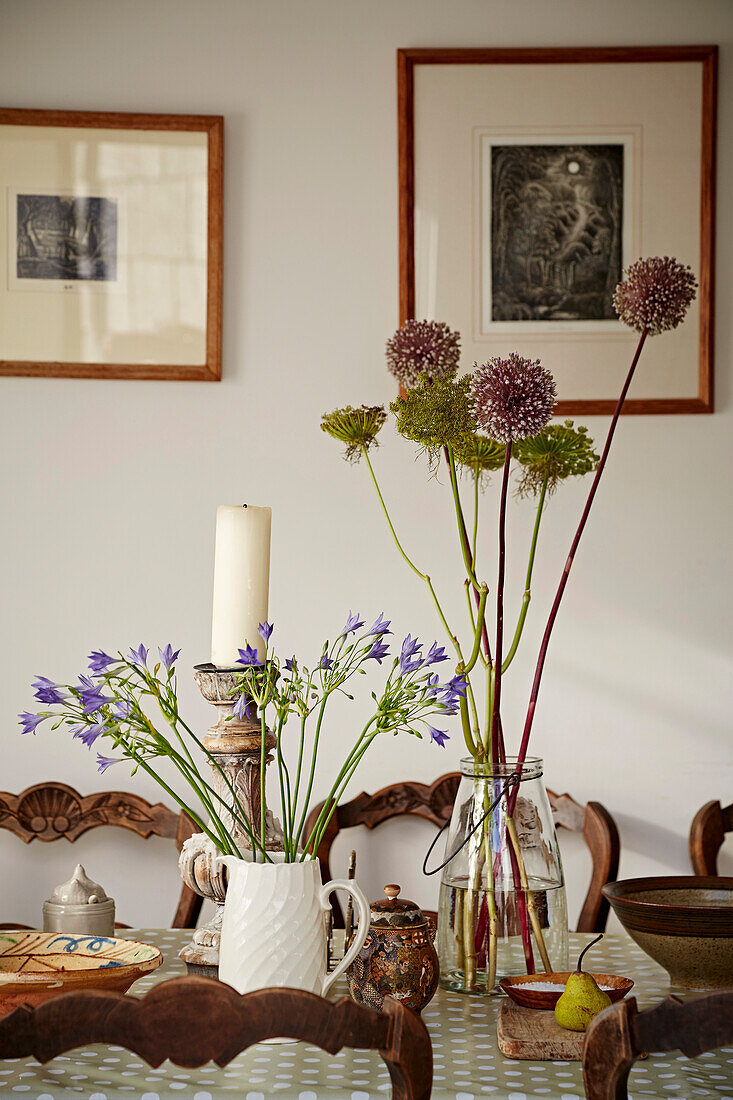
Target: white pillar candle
[[241, 580]]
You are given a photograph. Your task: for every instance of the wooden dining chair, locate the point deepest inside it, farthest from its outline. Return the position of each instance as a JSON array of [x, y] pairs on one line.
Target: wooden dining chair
[[193, 1021], [616, 1038], [707, 833], [55, 811], [435, 804]]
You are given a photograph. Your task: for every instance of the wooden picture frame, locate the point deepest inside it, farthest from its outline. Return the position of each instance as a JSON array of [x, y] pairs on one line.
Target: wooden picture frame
[[115, 220], [431, 85]]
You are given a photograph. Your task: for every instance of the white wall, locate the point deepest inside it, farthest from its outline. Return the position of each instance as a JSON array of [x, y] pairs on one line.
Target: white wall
[[109, 488]]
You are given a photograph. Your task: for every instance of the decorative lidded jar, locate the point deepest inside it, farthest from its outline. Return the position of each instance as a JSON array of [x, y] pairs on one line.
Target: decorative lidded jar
[[80, 906], [398, 958]]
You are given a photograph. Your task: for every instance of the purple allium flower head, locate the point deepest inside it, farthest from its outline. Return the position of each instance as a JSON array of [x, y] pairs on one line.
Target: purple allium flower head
[[325, 662], [265, 630], [379, 650], [249, 657], [104, 762], [410, 649], [99, 660], [655, 294], [423, 349], [512, 398], [168, 656], [291, 664], [380, 625], [353, 623], [438, 736], [89, 734], [239, 710], [29, 721], [138, 656], [47, 692], [436, 654]]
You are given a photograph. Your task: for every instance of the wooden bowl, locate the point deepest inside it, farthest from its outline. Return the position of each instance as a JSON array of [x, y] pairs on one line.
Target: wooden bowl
[[520, 989], [684, 922], [35, 966]]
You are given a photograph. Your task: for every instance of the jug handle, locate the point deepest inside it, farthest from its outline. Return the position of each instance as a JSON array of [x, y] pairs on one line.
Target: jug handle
[[362, 906]]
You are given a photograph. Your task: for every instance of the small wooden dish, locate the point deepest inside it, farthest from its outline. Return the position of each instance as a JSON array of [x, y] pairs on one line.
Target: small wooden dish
[[520, 991]]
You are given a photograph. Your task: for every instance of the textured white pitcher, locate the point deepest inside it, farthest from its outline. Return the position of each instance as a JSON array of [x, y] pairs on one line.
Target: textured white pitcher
[[274, 927]]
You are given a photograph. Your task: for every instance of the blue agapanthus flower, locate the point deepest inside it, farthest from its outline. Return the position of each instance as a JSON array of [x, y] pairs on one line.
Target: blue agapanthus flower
[[436, 654], [438, 736], [265, 630], [99, 660], [240, 709], [249, 657], [91, 695], [167, 656], [30, 722], [47, 692], [291, 664], [138, 656], [380, 625], [353, 623], [104, 762], [379, 650], [410, 656], [89, 734], [325, 662]]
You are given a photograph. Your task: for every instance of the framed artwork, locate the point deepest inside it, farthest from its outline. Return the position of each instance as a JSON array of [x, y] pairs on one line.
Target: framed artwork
[[110, 245], [530, 178]]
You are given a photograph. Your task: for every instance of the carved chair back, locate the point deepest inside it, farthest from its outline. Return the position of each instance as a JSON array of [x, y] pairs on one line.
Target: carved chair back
[[193, 1021], [435, 804], [617, 1037], [55, 811], [707, 833]]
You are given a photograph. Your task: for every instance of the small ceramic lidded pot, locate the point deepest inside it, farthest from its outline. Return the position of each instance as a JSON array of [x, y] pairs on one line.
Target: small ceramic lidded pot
[[398, 958], [80, 906]]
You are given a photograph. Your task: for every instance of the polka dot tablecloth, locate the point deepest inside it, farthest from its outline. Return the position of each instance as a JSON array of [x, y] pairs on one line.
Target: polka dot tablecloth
[[467, 1062]]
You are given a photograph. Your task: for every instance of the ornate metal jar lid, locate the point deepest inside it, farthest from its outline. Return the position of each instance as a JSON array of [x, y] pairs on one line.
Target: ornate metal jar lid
[[396, 912]]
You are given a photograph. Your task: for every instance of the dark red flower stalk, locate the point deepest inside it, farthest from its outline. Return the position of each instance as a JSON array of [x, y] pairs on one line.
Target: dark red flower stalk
[[654, 297]]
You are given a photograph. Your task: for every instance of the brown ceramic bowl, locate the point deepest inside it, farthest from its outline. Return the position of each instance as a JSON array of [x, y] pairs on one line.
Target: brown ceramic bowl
[[685, 923], [35, 966], [520, 989]]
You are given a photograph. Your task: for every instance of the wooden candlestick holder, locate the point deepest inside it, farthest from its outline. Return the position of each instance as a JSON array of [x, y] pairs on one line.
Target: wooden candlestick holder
[[236, 746]]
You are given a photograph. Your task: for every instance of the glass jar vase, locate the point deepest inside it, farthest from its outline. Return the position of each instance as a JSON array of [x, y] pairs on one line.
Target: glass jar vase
[[502, 907]]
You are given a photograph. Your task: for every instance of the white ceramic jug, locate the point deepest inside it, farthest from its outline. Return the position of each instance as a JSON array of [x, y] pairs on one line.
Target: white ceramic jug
[[274, 927]]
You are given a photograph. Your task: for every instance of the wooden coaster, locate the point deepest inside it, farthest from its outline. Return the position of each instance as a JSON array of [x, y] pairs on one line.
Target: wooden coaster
[[535, 1034]]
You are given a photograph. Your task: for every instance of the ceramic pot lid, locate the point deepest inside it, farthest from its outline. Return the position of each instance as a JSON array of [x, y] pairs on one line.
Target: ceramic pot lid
[[79, 890], [395, 912]]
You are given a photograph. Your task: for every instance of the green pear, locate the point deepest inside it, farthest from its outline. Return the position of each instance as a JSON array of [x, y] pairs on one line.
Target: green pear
[[582, 998]]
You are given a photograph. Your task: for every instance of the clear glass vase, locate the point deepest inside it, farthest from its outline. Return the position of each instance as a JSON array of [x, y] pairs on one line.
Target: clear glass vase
[[502, 908]]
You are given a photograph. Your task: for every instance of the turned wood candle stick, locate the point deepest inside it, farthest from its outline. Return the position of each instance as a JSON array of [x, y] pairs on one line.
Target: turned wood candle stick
[[235, 745]]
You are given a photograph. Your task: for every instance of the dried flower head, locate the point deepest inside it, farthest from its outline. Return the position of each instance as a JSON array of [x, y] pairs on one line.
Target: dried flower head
[[512, 398], [436, 414], [559, 451], [655, 294], [423, 349], [357, 428], [480, 455]]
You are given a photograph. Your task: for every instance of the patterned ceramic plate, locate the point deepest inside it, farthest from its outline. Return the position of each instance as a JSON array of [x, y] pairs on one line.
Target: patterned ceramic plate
[[35, 966]]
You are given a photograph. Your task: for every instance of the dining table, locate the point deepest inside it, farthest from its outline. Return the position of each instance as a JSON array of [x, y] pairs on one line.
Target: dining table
[[467, 1063]]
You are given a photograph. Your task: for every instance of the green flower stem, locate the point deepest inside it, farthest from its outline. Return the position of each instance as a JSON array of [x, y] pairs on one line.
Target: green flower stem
[[332, 801], [413, 567], [191, 813], [242, 821], [496, 709], [282, 773], [468, 561], [474, 540], [477, 633], [466, 726], [528, 582], [263, 734], [316, 739]]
